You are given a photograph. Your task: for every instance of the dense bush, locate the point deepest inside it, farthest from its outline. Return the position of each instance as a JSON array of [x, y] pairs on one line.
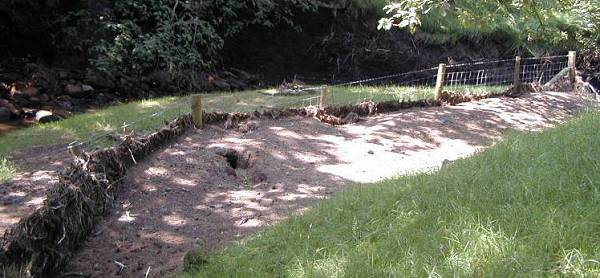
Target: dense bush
[[534, 26], [138, 37], [181, 37]]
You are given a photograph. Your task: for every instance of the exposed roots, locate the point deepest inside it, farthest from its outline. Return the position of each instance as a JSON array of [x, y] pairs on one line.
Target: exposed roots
[[41, 244]]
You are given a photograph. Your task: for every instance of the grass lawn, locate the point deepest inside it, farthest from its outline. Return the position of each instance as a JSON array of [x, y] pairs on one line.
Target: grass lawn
[[527, 207], [95, 124], [249, 101]]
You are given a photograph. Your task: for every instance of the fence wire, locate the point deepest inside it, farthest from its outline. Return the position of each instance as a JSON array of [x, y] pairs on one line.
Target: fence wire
[[482, 77], [501, 76]]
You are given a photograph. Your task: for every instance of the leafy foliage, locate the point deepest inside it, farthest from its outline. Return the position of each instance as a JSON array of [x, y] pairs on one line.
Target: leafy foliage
[[182, 37], [535, 26]]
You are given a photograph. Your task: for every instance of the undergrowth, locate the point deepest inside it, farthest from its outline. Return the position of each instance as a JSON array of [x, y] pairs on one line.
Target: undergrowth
[[529, 206]]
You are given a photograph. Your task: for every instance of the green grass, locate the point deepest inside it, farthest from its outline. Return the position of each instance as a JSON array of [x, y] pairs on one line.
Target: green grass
[[249, 101], [88, 125], [95, 124], [527, 207], [7, 169]]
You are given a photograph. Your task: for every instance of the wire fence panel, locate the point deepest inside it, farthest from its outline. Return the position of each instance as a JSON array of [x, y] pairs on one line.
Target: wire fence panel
[[476, 78]]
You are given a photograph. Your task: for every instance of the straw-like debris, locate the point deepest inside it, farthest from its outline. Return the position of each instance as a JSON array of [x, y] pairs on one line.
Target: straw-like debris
[[41, 244]]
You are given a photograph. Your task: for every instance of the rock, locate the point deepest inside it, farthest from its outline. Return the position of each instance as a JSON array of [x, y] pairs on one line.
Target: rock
[[371, 152], [44, 116], [14, 110], [30, 91], [87, 88], [64, 104], [49, 119], [63, 74], [99, 79], [61, 113], [43, 77], [35, 100], [44, 98], [73, 89], [16, 88], [4, 114]]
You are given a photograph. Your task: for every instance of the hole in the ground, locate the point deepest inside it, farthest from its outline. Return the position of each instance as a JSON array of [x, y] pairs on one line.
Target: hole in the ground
[[232, 157]]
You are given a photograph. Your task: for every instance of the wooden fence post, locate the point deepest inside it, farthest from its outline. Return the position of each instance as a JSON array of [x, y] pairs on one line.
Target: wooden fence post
[[572, 66], [324, 92], [197, 114], [439, 84], [517, 81]]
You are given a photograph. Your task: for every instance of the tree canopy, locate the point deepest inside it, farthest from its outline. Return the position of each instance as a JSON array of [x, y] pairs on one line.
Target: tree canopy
[[536, 26]]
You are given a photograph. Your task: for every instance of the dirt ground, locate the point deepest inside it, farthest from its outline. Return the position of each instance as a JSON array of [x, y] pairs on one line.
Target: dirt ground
[[39, 169], [189, 194]]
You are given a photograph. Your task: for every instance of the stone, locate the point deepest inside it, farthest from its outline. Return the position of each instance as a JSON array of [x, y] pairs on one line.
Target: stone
[[45, 116], [4, 114], [64, 104], [14, 110], [49, 119], [63, 74], [17, 87], [35, 100], [30, 91], [44, 98], [87, 88], [72, 89]]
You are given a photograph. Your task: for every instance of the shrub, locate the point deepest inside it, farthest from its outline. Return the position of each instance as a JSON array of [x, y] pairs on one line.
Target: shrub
[[180, 37]]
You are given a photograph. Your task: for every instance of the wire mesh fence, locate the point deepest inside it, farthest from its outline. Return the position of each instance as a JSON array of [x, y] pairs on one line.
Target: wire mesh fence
[[478, 78]]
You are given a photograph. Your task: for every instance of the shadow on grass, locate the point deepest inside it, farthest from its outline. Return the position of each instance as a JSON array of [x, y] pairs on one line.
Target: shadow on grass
[[188, 194]]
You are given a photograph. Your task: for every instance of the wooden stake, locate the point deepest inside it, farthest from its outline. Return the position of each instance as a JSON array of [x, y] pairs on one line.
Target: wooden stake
[[439, 85], [517, 81], [572, 66], [324, 92], [197, 114]]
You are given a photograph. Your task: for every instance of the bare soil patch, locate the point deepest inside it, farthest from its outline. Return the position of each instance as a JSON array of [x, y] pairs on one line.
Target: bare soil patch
[[39, 169], [216, 186]]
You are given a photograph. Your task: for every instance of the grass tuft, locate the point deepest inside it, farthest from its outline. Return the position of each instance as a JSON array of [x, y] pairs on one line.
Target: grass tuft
[[529, 206], [7, 169]]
